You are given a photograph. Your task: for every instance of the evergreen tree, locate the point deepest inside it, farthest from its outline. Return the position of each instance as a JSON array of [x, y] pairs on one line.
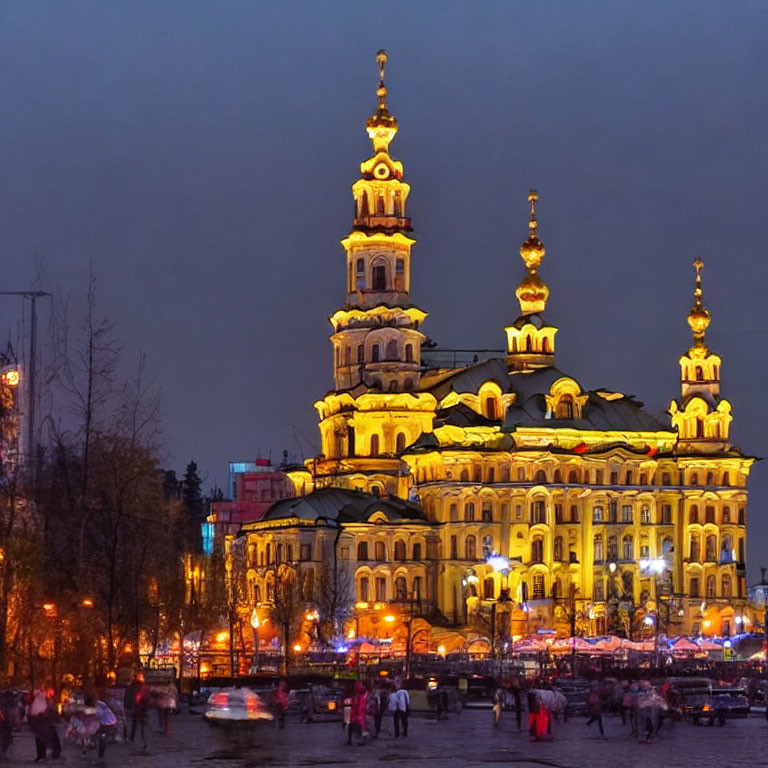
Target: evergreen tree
[[191, 494]]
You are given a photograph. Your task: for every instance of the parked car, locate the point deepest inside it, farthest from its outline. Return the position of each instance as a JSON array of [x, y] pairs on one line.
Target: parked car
[[731, 701], [235, 705]]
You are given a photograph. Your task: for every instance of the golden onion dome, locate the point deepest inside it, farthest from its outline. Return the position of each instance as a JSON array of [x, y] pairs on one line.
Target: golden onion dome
[[532, 293], [532, 252], [698, 320]]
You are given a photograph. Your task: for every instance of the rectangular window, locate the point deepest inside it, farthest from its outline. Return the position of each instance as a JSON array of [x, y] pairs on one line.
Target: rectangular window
[[599, 477], [454, 548], [306, 552], [626, 513], [644, 552], [345, 553], [558, 513], [521, 473], [360, 354], [469, 512], [381, 589], [487, 512], [742, 516], [597, 514], [454, 513], [645, 516], [574, 513], [614, 478], [360, 266], [518, 512], [599, 592], [709, 513], [666, 514], [612, 511], [538, 512], [694, 587], [417, 551], [417, 587], [400, 267], [726, 515]]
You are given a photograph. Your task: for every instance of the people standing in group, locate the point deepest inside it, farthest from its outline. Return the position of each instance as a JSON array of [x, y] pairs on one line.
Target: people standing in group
[[282, 701], [400, 703], [595, 707]]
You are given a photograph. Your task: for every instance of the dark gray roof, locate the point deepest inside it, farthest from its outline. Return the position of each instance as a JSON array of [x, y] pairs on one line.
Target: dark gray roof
[[530, 409], [536, 320], [336, 506]]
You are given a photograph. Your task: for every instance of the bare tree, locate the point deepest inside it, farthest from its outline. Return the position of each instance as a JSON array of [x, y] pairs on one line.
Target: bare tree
[[333, 597], [287, 611]]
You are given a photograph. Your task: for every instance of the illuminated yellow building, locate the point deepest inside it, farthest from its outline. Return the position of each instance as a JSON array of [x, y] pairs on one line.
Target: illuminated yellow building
[[541, 501]]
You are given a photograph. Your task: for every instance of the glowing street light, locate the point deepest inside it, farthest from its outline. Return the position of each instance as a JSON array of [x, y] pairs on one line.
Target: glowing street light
[[389, 619]]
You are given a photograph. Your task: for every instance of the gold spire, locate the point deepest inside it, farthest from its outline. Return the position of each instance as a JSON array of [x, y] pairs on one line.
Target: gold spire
[[532, 293], [698, 317], [381, 126]]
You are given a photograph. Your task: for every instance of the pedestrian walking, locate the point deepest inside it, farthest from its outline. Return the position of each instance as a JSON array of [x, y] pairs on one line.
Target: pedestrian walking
[[282, 700], [8, 716], [382, 694], [518, 702], [166, 704], [401, 705], [595, 707], [371, 710], [357, 713], [498, 704], [140, 710]]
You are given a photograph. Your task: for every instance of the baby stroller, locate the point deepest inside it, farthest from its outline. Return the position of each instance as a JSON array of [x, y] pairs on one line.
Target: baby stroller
[[91, 728]]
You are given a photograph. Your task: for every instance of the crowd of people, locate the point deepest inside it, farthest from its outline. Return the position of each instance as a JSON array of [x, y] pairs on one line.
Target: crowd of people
[[90, 718], [364, 711], [641, 706]]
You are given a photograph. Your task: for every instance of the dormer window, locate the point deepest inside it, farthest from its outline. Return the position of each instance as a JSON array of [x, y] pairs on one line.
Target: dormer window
[[565, 407]]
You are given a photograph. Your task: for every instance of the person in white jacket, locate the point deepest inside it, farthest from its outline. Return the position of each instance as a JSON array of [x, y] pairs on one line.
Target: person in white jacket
[[400, 704]]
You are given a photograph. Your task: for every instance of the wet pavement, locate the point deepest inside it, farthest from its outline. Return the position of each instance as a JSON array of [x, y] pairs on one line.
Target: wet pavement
[[468, 739]]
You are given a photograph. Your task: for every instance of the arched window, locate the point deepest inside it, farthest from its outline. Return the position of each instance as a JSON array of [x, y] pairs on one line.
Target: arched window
[[627, 548], [400, 442], [488, 588], [693, 515], [693, 588], [541, 476], [363, 590], [487, 546], [399, 550], [573, 476], [471, 548], [726, 586], [392, 349], [558, 549], [381, 551], [469, 512], [538, 586], [464, 477], [598, 554], [711, 586], [362, 550], [537, 550], [398, 207], [726, 550], [401, 588], [375, 445], [380, 205], [699, 373], [711, 548], [409, 353], [417, 551], [694, 548], [558, 476], [546, 347], [699, 428], [613, 547], [257, 593]]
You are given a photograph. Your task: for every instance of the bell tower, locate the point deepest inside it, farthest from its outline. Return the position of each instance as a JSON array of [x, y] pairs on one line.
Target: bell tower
[[531, 340], [377, 340], [702, 418]]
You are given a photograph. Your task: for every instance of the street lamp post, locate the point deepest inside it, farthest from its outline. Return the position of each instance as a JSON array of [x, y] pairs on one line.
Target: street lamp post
[[654, 568], [255, 624], [500, 564]]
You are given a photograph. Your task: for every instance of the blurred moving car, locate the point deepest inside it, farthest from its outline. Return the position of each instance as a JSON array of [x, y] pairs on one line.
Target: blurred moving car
[[235, 705]]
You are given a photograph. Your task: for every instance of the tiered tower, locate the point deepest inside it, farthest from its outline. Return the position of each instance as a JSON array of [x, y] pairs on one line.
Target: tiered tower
[[702, 418], [530, 340], [375, 409]]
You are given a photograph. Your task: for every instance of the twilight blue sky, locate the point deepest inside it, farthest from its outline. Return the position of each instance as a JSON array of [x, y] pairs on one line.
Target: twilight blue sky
[[200, 155]]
